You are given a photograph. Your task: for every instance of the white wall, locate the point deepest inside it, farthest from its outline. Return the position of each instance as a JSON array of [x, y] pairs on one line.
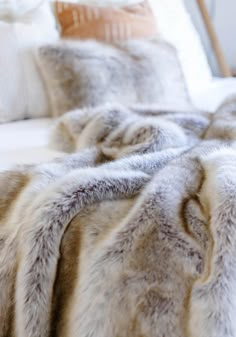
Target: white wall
[[225, 23], [224, 20]]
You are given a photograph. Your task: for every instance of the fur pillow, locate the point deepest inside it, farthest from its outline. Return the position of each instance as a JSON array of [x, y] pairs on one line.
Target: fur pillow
[[89, 73]]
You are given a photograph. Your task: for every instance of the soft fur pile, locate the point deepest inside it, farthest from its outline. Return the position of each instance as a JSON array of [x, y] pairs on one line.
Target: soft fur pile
[[86, 73], [141, 246]]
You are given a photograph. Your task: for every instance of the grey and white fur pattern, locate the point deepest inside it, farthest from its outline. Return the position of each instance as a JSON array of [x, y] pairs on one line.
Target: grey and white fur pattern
[[120, 131], [140, 246]]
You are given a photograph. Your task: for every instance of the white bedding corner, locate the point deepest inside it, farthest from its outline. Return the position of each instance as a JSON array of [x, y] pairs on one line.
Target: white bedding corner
[[25, 142], [211, 96]]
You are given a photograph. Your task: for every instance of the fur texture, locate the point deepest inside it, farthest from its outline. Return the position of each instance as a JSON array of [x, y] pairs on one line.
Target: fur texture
[[89, 73], [120, 131], [141, 246]]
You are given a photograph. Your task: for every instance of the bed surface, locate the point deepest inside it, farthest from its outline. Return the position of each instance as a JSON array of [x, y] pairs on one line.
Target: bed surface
[[25, 142], [211, 96]]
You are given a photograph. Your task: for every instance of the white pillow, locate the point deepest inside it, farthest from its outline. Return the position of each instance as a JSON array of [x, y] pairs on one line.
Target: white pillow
[[22, 91], [175, 25], [13, 9]]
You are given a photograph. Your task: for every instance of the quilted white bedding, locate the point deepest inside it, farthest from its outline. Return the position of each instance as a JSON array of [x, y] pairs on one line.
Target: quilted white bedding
[[25, 142]]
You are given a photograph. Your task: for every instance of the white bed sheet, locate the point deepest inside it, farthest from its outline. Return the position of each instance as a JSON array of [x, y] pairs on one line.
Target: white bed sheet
[[25, 142], [209, 97]]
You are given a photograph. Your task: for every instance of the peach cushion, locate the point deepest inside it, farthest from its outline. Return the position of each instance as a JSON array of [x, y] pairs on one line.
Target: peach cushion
[[105, 24]]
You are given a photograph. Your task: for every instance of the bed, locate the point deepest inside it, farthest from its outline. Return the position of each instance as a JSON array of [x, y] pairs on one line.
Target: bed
[[123, 224]]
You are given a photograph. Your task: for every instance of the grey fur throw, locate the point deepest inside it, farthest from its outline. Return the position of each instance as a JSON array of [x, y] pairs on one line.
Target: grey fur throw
[[88, 73], [144, 245]]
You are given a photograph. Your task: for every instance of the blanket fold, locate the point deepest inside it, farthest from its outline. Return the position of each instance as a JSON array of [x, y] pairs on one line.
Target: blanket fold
[[134, 235]]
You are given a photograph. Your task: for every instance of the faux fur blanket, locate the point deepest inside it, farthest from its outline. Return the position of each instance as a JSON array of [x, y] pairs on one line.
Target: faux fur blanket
[[141, 246]]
